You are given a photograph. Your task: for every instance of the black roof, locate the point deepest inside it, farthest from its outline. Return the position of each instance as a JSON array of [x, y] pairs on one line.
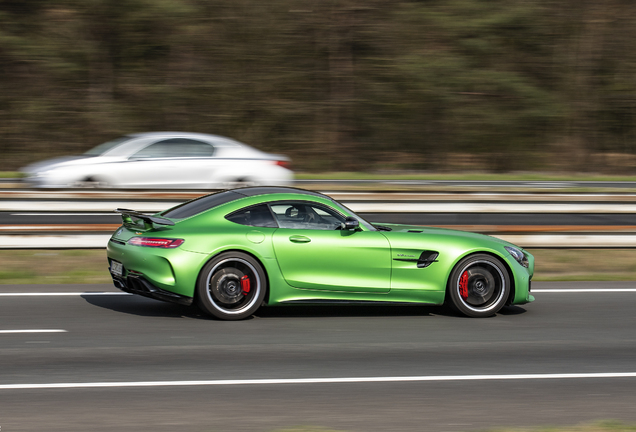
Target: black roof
[[264, 190], [206, 202]]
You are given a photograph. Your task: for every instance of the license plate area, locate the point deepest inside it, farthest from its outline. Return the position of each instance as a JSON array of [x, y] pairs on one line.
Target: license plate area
[[116, 268]]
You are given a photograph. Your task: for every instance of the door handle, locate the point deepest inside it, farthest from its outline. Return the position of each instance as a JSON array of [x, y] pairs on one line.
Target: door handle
[[299, 239]]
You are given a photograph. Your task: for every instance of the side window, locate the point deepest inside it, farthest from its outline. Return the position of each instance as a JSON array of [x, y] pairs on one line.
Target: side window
[[299, 215], [175, 148], [258, 216]]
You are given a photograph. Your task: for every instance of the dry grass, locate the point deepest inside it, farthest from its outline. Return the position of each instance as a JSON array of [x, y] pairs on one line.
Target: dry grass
[[90, 266], [53, 266], [584, 264]]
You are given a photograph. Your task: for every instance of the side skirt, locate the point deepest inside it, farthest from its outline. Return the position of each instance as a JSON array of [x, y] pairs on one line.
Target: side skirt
[[351, 302]]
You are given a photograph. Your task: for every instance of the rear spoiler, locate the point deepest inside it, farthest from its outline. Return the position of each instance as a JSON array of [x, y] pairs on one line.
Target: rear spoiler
[[127, 216]]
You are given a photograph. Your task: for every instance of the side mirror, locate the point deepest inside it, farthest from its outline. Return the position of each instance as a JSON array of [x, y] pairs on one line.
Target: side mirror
[[350, 223]]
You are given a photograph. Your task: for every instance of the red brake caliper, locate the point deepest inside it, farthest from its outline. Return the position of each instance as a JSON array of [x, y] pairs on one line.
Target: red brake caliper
[[245, 284], [463, 285]]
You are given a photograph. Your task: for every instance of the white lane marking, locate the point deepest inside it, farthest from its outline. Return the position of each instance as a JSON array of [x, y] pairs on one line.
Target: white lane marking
[[40, 227], [60, 241], [45, 294], [81, 206], [582, 290], [65, 214], [343, 380], [33, 331], [487, 207]]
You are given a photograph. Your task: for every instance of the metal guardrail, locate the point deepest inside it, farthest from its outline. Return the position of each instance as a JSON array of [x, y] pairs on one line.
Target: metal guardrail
[[42, 236], [528, 241], [531, 184]]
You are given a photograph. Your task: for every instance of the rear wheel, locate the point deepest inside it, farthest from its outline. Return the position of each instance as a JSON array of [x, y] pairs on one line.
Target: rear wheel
[[479, 286], [232, 286], [240, 183], [91, 182]]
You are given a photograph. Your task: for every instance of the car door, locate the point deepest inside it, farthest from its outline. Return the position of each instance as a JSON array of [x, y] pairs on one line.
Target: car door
[[170, 162], [314, 253], [196, 163]]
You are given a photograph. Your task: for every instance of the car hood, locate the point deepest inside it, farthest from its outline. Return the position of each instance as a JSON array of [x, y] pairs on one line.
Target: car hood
[[419, 230]]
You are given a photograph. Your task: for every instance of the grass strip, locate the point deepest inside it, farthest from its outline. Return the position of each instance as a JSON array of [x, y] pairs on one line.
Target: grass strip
[[402, 175], [11, 174], [476, 176], [90, 266], [53, 267]]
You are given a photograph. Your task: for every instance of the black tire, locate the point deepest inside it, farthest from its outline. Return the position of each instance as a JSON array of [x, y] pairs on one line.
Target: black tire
[[91, 183], [479, 286], [231, 286], [240, 183]]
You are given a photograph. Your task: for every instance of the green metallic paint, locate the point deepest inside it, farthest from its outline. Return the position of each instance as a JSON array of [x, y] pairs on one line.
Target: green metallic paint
[[334, 260], [333, 265]]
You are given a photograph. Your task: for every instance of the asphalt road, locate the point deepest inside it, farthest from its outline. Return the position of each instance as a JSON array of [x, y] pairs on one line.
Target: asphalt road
[[124, 340]]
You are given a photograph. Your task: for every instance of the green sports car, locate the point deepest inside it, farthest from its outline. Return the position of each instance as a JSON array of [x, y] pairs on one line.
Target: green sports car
[[234, 251]]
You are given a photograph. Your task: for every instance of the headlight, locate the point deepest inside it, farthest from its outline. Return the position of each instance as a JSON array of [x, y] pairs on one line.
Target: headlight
[[518, 255]]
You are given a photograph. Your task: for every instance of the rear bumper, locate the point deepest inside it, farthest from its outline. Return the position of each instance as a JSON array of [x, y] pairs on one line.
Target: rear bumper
[[166, 274], [137, 284]]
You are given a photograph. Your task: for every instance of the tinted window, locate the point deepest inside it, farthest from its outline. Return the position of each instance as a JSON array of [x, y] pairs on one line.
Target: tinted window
[[301, 215], [177, 147], [202, 204], [258, 216], [264, 190]]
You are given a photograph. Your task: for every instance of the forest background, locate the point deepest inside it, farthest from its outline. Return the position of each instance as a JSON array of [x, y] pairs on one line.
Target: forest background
[[364, 85]]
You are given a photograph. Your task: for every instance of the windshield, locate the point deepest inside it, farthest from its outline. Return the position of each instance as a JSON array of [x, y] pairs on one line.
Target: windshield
[[104, 147]]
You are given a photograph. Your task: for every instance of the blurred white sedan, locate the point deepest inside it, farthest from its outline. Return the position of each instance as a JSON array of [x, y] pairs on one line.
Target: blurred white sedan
[[164, 160]]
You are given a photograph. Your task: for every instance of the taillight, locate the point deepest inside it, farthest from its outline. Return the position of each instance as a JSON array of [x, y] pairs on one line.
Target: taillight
[[165, 243], [284, 164]]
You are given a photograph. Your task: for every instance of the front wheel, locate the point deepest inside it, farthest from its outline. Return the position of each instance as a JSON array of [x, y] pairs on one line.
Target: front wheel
[[479, 286], [232, 286]]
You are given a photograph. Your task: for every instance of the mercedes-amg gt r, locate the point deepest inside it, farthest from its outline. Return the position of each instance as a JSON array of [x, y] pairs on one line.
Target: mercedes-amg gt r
[[234, 251]]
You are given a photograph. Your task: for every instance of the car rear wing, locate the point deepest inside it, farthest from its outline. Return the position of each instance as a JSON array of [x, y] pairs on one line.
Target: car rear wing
[[149, 221]]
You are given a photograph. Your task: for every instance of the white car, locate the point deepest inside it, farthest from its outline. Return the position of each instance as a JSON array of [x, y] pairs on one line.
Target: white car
[[164, 160]]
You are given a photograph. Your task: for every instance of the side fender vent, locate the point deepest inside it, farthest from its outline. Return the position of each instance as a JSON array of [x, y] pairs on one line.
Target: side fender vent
[[427, 258]]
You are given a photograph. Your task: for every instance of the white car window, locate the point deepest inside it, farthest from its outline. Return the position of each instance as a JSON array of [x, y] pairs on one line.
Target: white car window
[[175, 148]]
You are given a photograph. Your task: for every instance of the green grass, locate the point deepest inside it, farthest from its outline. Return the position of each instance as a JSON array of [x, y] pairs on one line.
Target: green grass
[[53, 267], [584, 264], [11, 174], [463, 176], [401, 175], [90, 266]]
